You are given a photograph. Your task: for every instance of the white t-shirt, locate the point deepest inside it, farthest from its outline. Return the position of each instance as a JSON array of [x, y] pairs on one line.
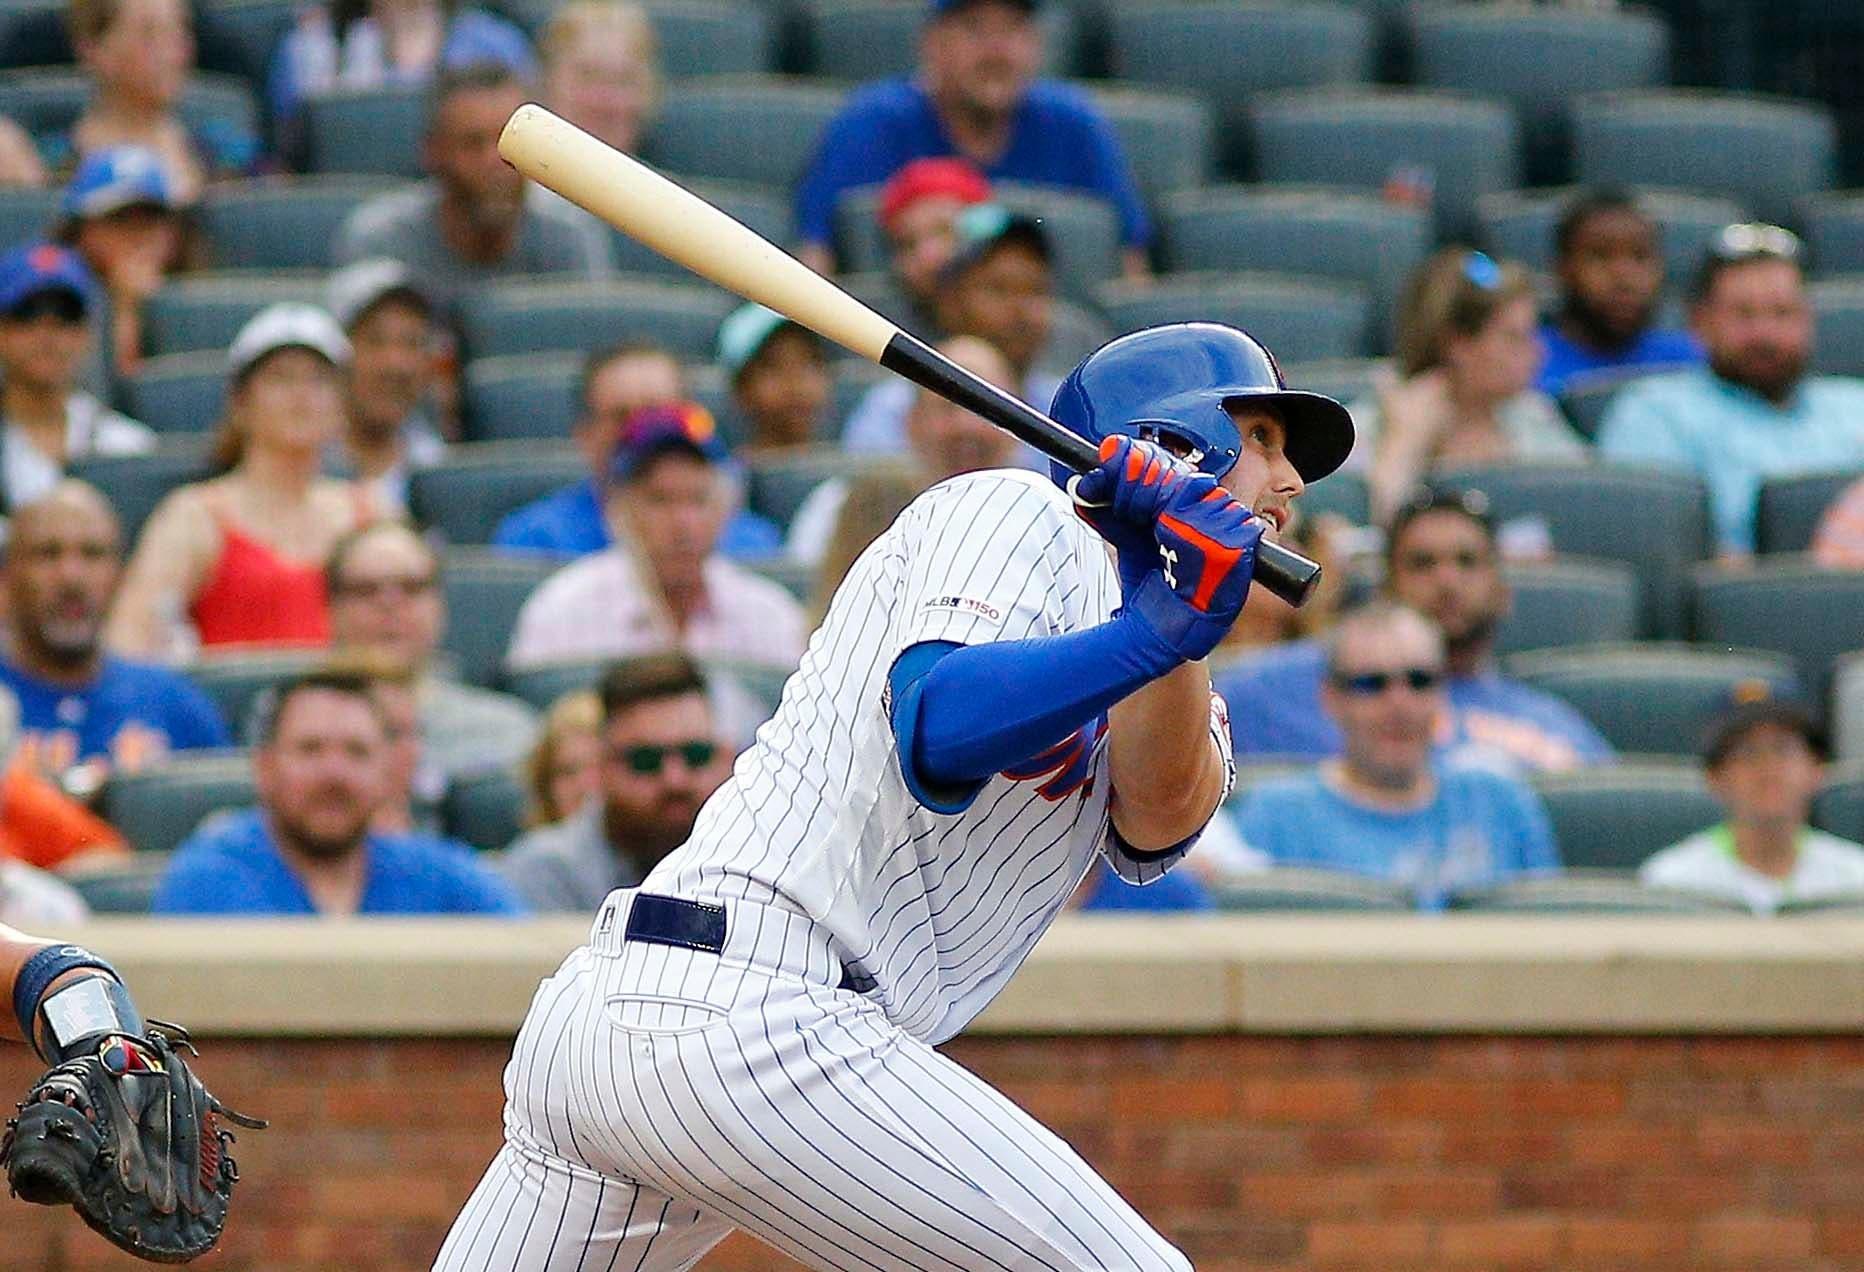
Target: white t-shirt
[[31, 898], [91, 428], [1706, 862]]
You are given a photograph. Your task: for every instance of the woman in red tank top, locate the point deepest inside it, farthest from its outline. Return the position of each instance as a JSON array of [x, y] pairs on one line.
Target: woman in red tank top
[[238, 560]]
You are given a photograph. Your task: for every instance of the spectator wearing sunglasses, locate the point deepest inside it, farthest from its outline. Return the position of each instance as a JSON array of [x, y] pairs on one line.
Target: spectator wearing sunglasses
[[1753, 412], [48, 306], [1388, 806], [1442, 560], [661, 759], [1468, 352]]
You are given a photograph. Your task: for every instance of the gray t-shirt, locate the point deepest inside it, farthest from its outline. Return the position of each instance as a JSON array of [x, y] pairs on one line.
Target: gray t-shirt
[[567, 865], [467, 730]]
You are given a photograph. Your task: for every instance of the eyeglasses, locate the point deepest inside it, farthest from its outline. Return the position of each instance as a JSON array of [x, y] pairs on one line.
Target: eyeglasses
[[1482, 271], [404, 587], [1367, 684], [647, 760], [1748, 240]]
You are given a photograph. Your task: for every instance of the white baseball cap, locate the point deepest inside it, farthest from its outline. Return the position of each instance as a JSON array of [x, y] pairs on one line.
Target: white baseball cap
[[289, 325], [356, 289]]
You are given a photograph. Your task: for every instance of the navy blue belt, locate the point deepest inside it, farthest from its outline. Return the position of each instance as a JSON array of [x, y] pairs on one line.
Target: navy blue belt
[[698, 925]]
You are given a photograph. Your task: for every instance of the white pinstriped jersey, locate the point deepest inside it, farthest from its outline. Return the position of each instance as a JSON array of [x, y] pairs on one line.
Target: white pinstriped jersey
[[936, 911]]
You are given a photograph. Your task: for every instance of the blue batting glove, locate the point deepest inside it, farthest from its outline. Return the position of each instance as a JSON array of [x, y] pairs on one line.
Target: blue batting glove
[[1122, 497], [1205, 556]]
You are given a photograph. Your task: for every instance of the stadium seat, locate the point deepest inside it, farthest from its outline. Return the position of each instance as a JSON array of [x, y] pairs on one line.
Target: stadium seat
[[486, 810], [758, 207], [179, 393], [796, 577], [1227, 53], [1834, 226], [1587, 397], [542, 686], [1338, 494], [34, 33], [160, 806], [1519, 225], [581, 316], [1654, 520], [1840, 905], [1766, 153], [1365, 139], [1588, 892], [1651, 698], [366, 130], [1344, 379], [1083, 232], [1295, 888], [205, 311], [1787, 513], [1611, 817], [465, 496], [250, 31], [1358, 238], [1838, 337], [1787, 604], [778, 484], [1168, 137], [236, 681], [26, 215], [759, 128], [859, 40], [1536, 60], [521, 396], [1296, 317], [1847, 716], [46, 100], [281, 222], [484, 592], [761, 680], [1838, 808], [118, 885], [135, 484], [1568, 602]]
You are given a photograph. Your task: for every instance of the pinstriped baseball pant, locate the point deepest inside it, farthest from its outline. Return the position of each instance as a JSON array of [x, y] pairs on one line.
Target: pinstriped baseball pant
[[658, 1098]]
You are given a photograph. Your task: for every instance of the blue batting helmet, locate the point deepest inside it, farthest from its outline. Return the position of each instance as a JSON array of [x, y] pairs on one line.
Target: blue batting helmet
[[1176, 381]]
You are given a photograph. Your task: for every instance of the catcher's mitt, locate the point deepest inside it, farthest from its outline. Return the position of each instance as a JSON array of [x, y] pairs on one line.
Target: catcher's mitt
[[129, 1137]]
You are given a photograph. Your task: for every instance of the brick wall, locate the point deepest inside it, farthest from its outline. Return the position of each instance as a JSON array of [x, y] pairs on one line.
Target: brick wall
[[1251, 1152]]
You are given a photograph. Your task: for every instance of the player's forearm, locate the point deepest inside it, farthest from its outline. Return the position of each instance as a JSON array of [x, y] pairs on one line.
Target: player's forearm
[[1168, 777], [15, 948]]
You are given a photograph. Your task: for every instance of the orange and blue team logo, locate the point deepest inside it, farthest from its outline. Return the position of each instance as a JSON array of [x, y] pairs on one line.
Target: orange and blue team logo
[[1067, 766]]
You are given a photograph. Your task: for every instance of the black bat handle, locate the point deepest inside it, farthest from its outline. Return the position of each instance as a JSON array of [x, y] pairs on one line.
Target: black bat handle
[[1281, 570]]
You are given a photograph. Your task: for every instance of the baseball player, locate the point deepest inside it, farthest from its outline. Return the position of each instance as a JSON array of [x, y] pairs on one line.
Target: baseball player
[[996, 694]]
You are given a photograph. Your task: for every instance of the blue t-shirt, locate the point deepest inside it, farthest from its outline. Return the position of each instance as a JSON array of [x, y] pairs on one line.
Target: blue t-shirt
[[1479, 828], [1655, 347], [129, 714], [1174, 890], [570, 523], [232, 866], [1058, 137], [1493, 722]]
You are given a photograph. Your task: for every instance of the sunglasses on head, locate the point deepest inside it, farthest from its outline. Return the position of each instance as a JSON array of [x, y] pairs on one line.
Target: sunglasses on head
[[1749, 240], [1480, 269], [1368, 683], [647, 760]]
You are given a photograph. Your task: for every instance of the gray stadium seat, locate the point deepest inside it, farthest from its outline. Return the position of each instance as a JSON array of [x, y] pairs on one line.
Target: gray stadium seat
[[796, 577], [178, 392], [778, 484], [119, 885], [33, 33], [1838, 337], [761, 680], [1296, 317], [1787, 604], [1227, 53], [1338, 494], [1364, 138], [1765, 152], [759, 128], [486, 810], [366, 130], [465, 496], [1587, 397], [1568, 602], [758, 207], [542, 686], [1295, 888], [1536, 60], [1345, 379], [1788, 510], [1651, 698], [1841, 905], [251, 29], [158, 807], [581, 315], [1654, 520], [135, 484], [1611, 817], [26, 215], [236, 681], [199, 312], [871, 39], [50, 99], [1083, 232], [1838, 808], [281, 222], [524, 395], [1834, 226], [1167, 137], [484, 592], [1359, 238], [1519, 225], [1589, 892]]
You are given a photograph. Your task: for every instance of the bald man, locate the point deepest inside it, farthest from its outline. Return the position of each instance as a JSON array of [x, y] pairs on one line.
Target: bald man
[[83, 711], [943, 441]]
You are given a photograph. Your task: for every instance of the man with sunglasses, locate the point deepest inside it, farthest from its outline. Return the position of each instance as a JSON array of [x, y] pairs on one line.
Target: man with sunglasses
[[1753, 412], [1387, 806], [660, 760]]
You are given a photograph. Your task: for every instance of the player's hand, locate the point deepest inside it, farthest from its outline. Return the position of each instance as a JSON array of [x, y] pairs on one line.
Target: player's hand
[[1122, 498], [1205, 557]]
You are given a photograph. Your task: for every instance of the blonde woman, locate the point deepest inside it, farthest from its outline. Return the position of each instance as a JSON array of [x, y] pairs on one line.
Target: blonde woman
[[602, 70], [563, 769]]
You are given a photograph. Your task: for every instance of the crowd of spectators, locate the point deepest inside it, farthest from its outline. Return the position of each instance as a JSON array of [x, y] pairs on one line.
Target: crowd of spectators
[[1380, 729]]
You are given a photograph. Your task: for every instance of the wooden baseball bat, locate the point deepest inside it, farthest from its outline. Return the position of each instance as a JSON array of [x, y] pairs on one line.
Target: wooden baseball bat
[[687, 230]]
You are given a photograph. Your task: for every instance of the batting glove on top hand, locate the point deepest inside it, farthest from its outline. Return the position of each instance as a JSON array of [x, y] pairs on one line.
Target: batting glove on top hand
[[1122, 499], [1205, 558]]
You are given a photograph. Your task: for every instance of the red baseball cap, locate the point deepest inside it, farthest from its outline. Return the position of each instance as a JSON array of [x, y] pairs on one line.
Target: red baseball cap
[[926, 178]]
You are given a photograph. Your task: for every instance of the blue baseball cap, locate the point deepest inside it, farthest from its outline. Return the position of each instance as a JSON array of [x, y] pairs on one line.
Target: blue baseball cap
[[651, 430], [33, 270], [120, 177]]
